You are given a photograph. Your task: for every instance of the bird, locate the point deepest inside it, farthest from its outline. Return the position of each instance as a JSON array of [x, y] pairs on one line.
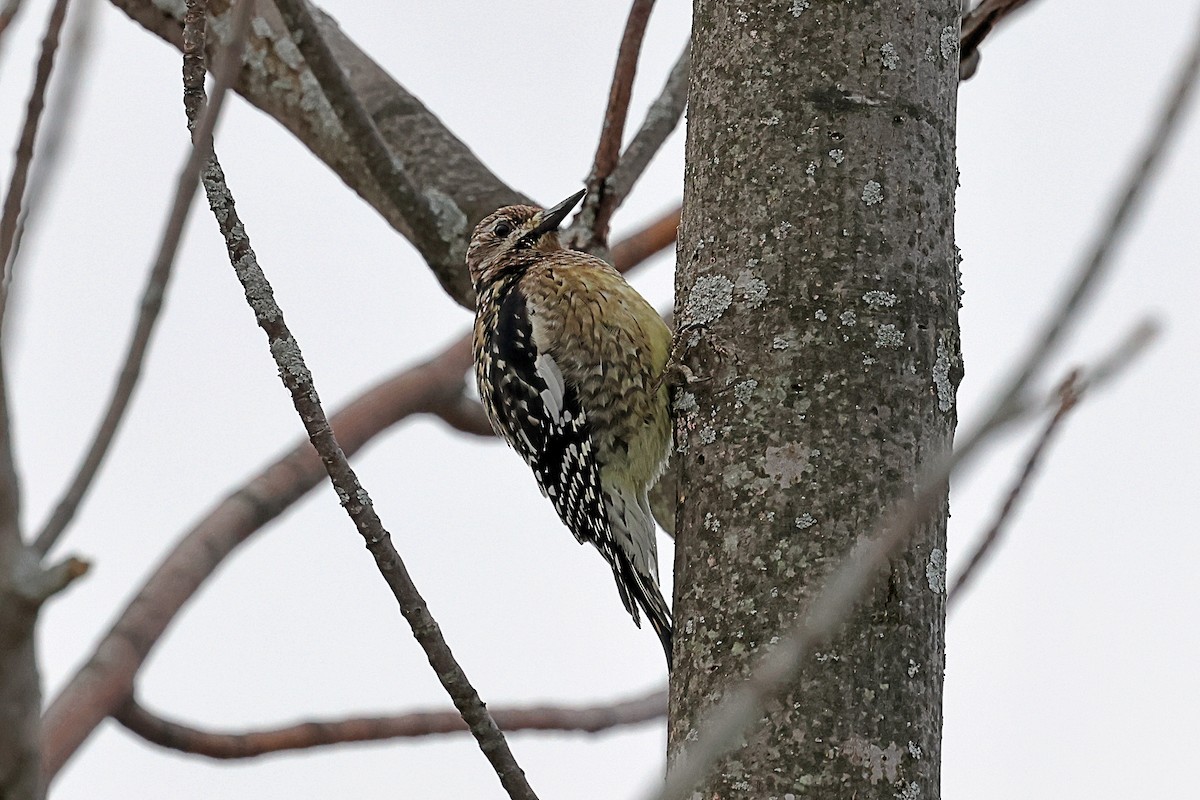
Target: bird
[[569, 362]]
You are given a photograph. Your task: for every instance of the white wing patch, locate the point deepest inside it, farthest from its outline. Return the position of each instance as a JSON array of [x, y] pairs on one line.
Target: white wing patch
[[552, 395]]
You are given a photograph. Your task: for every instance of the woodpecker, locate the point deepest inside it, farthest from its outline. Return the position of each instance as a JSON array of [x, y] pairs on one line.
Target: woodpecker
[[569, 359]]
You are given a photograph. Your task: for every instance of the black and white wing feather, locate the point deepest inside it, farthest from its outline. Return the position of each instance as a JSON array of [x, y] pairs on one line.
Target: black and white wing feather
[[540, 414], [543, 420]]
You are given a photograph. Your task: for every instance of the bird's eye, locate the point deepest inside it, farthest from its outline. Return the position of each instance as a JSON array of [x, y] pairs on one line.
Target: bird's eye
[[502, 230]]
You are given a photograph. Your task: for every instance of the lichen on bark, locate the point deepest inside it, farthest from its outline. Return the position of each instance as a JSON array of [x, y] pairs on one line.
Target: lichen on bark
[[849, 341]]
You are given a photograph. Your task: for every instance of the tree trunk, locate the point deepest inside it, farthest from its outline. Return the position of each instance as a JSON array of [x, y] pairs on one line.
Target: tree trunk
[[817, 272]]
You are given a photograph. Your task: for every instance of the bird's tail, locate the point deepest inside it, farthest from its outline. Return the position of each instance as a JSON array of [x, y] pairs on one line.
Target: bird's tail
[[634, 559], [638, 589]]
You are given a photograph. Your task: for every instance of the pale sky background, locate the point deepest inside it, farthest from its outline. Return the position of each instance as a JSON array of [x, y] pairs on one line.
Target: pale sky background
[[1071, 665]]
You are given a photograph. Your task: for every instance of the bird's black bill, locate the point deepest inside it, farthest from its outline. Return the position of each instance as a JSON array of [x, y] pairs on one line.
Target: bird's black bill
[[553, 217]]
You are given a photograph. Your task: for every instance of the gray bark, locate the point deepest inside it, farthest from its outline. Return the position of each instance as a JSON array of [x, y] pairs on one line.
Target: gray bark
[[817, 271]]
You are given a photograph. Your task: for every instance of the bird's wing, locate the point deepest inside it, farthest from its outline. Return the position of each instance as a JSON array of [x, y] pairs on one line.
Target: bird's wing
[[544, 421]]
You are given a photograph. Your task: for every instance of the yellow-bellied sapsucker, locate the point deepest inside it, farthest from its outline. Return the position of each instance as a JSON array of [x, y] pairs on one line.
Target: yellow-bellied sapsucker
[[569, 360]]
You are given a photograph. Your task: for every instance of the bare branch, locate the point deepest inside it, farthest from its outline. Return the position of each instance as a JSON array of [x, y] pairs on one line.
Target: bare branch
[[8, 14], [10, 489], [1098, 257], [106, 680], [597, 209], [60, 116], [976, 25], [661, 119], [650, 240], [24, 155], [353, 496], [36, 584], [621, 90], [1072, 389], [465, 414], [1068, 397], [321, 733], [154, 291]]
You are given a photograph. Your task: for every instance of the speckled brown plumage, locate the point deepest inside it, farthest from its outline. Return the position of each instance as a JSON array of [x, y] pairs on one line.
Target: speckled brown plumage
[[568, 358]]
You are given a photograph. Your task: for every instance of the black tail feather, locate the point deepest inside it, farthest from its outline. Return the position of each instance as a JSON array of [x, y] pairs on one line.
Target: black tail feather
[[642, 590]]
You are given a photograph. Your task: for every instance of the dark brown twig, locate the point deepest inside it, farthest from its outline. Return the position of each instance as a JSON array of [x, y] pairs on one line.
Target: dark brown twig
[[976, 25], [1069, 396], [154, 292], [106, 680], [621, 90], [321, 733], [597, 209]]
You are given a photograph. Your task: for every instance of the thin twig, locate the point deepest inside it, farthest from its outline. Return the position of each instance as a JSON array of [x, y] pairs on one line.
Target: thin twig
[[60, 118], [155, 289], [597, 209], [8, 14], [10, 496], [359, 126], [10, 486], [1099, 256], [24, 156], [621, 89], [1068, 397], [976, 25], [322, 733], [354, 498], [106, 680], [1072, 389], [661, 119]]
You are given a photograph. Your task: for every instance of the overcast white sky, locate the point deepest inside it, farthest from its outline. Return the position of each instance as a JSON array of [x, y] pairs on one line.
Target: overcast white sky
[[1071, 666]]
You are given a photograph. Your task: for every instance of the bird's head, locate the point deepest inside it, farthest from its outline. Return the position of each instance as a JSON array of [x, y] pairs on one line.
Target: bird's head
[[511, 230]]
